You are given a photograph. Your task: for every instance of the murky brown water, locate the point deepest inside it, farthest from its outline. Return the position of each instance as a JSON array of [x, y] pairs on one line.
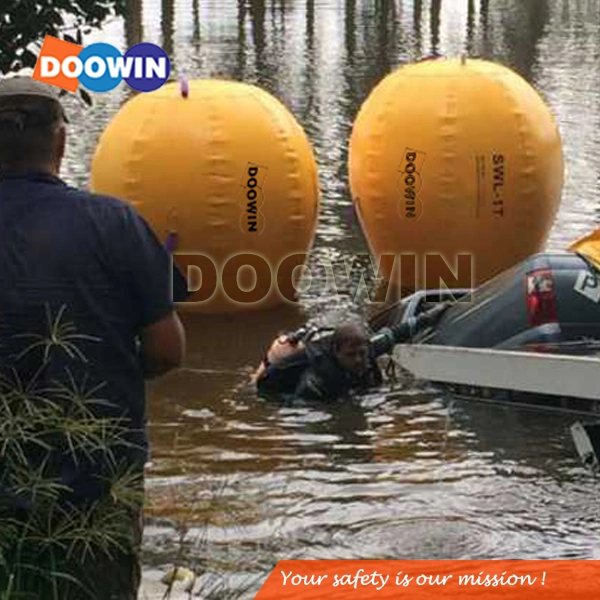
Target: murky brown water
[[406, 475]]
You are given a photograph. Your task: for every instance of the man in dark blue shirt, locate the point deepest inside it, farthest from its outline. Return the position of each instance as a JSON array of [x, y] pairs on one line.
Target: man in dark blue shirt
[[86, 302]]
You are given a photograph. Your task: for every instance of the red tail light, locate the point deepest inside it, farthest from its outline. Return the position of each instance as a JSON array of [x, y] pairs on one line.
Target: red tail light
[[541, 298]]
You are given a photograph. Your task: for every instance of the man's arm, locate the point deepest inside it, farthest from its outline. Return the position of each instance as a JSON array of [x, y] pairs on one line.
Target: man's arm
[[385, 339], [162, 345], [283, 376], [155, 284]]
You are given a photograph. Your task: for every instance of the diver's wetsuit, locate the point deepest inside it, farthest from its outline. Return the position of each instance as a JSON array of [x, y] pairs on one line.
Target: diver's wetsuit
[[314, 373]]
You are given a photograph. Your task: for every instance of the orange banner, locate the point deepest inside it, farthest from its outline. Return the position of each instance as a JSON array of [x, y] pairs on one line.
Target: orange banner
[[433, 580]]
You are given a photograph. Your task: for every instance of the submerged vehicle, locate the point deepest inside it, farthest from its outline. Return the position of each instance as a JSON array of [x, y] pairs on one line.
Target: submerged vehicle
[[493, 343], [548, 302]]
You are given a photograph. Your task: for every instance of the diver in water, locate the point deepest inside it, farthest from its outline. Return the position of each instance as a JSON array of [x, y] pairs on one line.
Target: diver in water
[[333, 367]]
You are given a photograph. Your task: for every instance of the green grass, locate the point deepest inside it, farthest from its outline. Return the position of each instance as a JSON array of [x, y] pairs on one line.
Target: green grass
[[51, 550]]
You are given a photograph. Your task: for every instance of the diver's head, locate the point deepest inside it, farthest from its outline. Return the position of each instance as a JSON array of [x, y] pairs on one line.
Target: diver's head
[[350, 346]]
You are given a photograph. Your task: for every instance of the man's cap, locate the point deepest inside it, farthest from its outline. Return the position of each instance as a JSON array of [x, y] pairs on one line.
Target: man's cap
[[19, 85]]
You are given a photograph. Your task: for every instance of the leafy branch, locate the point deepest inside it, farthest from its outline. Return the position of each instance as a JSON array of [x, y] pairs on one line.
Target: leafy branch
[[24, 23]]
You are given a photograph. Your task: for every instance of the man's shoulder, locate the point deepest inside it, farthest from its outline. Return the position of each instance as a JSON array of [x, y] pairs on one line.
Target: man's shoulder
[[107, 215], [93, 201]]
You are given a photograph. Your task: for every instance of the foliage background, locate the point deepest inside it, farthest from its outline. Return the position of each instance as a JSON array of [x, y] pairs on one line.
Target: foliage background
[[25, 23]]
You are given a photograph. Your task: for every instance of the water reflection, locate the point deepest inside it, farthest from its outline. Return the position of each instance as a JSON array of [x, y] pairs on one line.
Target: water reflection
[[134, 29], [240, 71], [524, 28], [167, 21], [196, 19], [257, 17], [411, 477], [407, 474], [417, 12], [436, 7]]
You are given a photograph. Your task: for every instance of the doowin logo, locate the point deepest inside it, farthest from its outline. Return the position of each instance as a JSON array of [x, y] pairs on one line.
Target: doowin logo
[[101, 67]]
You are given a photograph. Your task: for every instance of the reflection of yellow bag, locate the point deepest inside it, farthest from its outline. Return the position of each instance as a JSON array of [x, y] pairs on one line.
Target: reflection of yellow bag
[[589, 246]]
